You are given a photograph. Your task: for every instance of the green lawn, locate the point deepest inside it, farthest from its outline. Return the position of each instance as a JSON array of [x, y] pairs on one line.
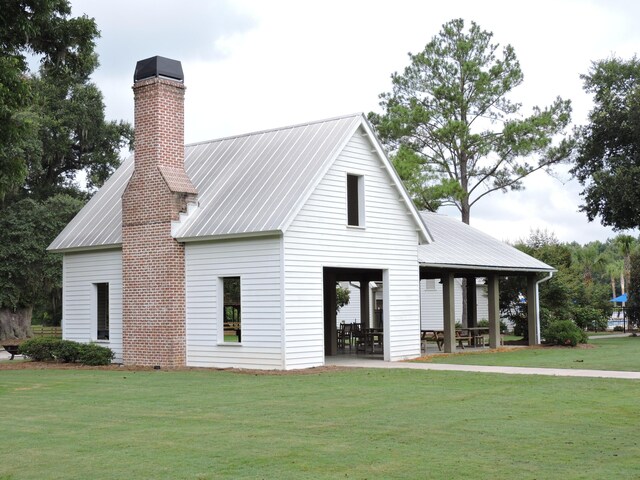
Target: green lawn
[[358, 424], [619, 353]]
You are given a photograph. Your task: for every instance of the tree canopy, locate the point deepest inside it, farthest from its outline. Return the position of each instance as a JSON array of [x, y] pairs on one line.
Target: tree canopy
[[41, 29], [52, 131], [607, 162], [453, 132]]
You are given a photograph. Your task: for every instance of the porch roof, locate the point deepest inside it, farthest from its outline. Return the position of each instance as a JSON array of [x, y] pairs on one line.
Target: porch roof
[[465, 250]]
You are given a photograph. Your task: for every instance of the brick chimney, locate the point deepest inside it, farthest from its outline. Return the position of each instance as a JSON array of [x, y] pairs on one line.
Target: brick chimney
[[153, 310]]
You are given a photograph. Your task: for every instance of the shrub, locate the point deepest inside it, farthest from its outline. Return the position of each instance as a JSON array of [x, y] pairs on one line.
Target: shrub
[[618, 328], [564, 332], [590, 318], [39, 349], [47, 349], [485, 324], [94, 354]]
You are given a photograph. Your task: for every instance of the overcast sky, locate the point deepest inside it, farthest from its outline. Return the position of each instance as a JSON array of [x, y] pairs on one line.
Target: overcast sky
[[252, 65]]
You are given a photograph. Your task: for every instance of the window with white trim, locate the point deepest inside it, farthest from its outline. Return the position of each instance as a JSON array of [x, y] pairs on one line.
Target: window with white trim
[[102, 310], [231, 300]]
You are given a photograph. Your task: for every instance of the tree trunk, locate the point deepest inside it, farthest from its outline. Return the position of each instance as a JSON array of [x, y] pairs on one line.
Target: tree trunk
[[627, 271], [613, 286], [15, 325], [465, 210]]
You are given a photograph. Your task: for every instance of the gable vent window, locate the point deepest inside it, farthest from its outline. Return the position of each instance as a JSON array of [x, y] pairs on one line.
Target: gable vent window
[[355, 200]]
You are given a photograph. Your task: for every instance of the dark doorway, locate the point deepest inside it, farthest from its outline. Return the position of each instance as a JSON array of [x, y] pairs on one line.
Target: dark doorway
[[331, 276]]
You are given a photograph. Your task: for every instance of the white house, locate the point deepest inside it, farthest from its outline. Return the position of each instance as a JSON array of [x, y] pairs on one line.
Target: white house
[[226, 253], [274, 216]]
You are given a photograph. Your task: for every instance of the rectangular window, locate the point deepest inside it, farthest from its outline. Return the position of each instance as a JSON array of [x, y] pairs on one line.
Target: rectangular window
[[102, 310], [355, 200], [231, 308]]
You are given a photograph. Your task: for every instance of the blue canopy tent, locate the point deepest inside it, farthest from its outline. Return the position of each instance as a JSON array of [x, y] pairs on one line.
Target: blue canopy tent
[[620, 310]]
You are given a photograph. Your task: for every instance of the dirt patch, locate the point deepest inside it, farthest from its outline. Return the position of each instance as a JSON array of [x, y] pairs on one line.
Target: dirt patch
[[580, 346], [29, 365]]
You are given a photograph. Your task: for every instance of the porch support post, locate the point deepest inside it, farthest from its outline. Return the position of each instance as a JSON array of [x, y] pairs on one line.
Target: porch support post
[[365, 317], [532, 310], [494, 311], [472, 304], [330, 303], [448, 303]]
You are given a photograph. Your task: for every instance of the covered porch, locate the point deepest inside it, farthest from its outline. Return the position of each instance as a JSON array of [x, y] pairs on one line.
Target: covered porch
[[461, 251]]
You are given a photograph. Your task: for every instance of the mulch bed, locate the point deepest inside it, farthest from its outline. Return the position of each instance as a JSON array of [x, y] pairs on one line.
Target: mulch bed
[[20, 364]]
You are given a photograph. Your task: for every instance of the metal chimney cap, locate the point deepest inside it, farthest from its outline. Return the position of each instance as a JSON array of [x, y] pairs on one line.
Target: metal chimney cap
[[158, 67]]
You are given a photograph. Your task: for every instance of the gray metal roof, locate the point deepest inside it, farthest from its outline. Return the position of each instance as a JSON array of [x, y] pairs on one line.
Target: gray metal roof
[[247, 184], [99, 223], [456, 244]]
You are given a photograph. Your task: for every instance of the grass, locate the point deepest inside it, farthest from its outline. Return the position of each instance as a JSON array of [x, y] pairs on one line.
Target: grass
[[618, 353], [357, 424]]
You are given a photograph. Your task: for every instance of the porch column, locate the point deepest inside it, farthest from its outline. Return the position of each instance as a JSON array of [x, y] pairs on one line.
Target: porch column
[[449, 313], [472, 303], [330, 302], [532, 310], [494, 311], [365, 318]]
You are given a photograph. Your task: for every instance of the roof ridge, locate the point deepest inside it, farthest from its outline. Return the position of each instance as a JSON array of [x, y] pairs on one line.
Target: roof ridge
[[269, 130]]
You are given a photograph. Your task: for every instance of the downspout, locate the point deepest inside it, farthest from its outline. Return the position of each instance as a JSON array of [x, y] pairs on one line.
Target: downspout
[[538, 303]]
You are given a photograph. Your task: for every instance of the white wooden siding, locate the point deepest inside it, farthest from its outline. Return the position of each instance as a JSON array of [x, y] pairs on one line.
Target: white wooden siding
[[81, 271], [257, 262], [351, 311], [319, 237]]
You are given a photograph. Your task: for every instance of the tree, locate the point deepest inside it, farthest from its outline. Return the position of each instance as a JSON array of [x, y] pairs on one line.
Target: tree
[[71, 136], [453, 133], [29, 275], [590, 260], [615, 269], [555, 295], [42, 28], [626, 244], [607, 162], [54, 131], [634, 292], [343, 296]]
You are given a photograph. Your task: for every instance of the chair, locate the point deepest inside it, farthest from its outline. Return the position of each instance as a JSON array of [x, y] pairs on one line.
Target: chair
[[358, 337], [344, 336]]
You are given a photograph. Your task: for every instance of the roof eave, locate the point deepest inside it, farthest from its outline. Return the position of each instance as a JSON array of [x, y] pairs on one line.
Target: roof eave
[[229, 236], [86, 248], [493, 268]]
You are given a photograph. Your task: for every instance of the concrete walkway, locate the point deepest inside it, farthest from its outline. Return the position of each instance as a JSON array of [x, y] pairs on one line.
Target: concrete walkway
[[352, 361]]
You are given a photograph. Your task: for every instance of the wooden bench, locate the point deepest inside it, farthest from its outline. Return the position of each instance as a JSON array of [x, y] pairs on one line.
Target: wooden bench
[[431, 335], [464, 335]]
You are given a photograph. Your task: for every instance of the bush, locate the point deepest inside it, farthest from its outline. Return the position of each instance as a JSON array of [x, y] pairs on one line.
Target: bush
[[618, 328], [589, 318], [564, 332], [485, 324], [94, 354], [47, 349], [39, 349]]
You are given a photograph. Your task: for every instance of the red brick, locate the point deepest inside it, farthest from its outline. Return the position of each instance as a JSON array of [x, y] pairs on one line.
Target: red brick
[[153, 313]]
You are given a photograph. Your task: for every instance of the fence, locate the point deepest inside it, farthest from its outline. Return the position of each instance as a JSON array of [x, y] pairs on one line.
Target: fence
[[42, 331]]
